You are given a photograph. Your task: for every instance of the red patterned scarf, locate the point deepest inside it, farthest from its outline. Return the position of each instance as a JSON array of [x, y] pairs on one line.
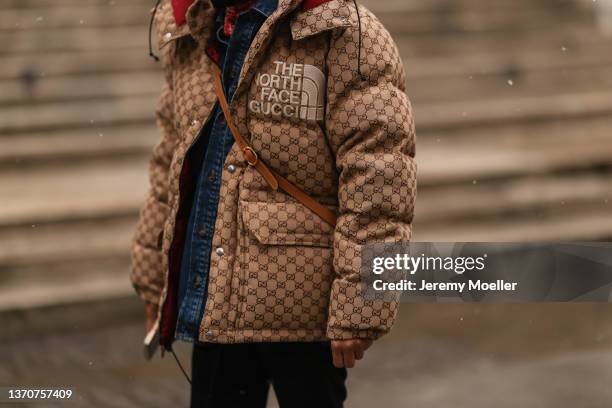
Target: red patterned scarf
[[232, 13]]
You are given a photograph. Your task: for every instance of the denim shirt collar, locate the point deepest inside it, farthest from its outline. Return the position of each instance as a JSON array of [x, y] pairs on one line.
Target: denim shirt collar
[[265, 7]]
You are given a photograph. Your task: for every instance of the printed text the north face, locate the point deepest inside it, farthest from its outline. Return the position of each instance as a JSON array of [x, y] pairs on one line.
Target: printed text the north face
[[292, 91]]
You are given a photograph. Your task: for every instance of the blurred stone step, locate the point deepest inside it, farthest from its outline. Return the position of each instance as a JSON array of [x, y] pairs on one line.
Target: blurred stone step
[[77, 145], [75, 241], [80, 262], [111, 14], [514, 197], [508, 112], [511, 85], [91, 190], [65, 232], [80, 39], [82, 114], [477, 21], [60, 89], [502, 62], [85, 286], [77, 260], [572, 36], [514, 150], [403, 6], [24, 4], [582, 224], [22, 275], [68, 63]]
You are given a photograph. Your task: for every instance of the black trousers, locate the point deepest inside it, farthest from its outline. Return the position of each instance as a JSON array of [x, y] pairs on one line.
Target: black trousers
[[239, 375]]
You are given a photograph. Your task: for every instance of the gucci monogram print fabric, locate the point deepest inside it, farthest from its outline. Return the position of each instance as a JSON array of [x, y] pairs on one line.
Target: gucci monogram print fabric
[[284, 274], [147, 265]]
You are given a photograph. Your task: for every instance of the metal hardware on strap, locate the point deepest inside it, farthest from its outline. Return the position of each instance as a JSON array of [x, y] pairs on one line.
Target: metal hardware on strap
[[250, 156]]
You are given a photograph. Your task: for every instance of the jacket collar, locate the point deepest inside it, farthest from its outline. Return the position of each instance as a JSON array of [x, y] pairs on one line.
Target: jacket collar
[[324, 17], [199, 22]]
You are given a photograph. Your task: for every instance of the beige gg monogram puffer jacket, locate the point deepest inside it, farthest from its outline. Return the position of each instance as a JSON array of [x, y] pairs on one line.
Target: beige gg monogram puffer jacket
[[278, 272]]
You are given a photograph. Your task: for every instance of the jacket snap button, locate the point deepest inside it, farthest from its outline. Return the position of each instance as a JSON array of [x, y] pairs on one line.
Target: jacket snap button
[[231, 168], [167, 36], [220, 251]]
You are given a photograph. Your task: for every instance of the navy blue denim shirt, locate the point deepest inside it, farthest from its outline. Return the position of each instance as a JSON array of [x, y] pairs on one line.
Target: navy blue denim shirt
[[193, 284]]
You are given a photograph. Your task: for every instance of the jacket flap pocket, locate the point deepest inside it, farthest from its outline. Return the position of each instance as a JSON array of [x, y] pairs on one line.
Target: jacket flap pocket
[[285, 224]]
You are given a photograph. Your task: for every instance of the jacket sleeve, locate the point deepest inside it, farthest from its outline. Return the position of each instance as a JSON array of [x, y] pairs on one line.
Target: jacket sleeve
[[147, 273], [371, 131]]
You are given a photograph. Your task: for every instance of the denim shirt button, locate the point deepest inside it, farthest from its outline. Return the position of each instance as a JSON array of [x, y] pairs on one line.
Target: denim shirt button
[[203, 232], [212, 176], [220, 251], [231, 168], [197, 282]]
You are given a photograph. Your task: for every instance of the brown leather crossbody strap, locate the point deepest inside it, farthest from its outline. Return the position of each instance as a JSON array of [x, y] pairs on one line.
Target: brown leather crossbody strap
[[274, 179]]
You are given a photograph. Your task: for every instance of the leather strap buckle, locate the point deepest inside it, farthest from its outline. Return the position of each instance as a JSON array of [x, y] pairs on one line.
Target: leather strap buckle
[[250, 156]]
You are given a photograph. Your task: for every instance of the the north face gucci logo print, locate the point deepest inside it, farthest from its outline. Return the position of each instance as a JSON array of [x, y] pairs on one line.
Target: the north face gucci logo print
[[294, 91]]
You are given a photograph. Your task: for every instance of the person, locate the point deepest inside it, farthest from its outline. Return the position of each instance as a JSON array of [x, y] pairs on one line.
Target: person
[[249, 243]]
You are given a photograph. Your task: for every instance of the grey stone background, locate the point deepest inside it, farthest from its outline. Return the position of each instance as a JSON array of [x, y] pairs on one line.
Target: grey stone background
[[513, 105]]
